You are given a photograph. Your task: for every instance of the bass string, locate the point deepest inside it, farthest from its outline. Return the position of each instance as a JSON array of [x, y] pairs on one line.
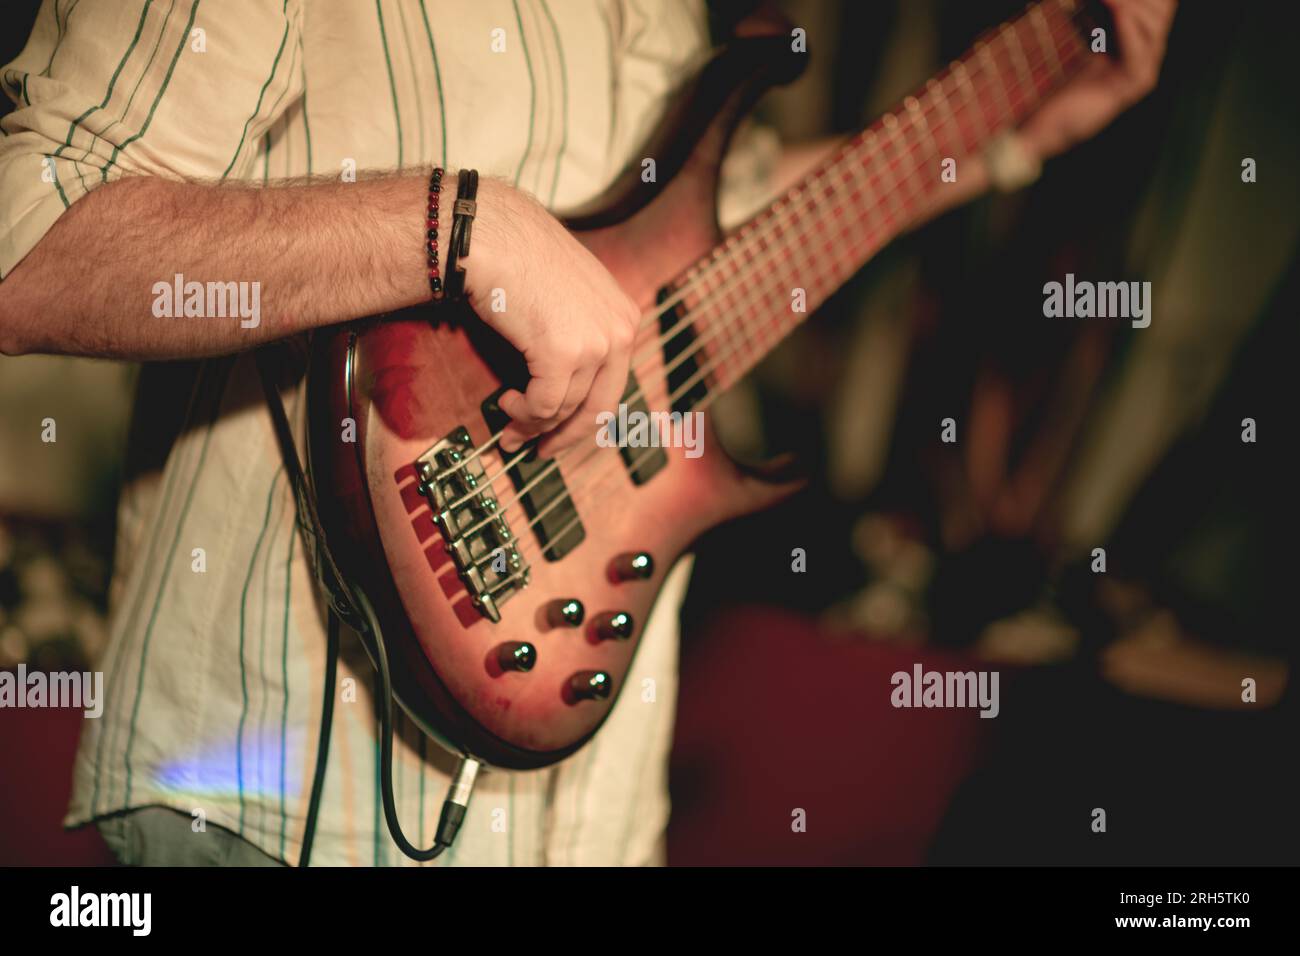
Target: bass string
[[718, 360], [829, 172], [707, 267], [745, 308]]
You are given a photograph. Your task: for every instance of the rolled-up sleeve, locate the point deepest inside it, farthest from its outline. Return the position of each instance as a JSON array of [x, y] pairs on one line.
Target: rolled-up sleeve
[[109, 88]]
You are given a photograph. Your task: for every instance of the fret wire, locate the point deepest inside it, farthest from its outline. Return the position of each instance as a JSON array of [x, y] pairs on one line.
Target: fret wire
[[886, 189], [962, 74], [985, 57], [869, 238], [1018, 57], [915, 174], [913, 106], [746, 260], [889, 123], [782, 324], [1040, 27], [947, 108], [813, 292], [769, 332]]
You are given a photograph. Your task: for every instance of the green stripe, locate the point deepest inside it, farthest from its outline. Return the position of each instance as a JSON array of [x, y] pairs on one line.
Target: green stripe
[[284, 679], [377, 859], [613, 71], [63, 32], [26, 99], [243, 630], [399, 769], [550, 114], [261, 663], [164, 499], [532, 93], [162, 32], [72, 127], [162, 587], [424, 767], [81, 175], [415, 76], [392, 83], [564, 85], [185, 35], [437, 75], [306, 126], [275, 107], [58, 27], [258, 109]]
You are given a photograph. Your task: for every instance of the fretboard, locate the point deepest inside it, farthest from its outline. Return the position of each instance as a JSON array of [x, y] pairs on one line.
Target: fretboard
[[773, 272]]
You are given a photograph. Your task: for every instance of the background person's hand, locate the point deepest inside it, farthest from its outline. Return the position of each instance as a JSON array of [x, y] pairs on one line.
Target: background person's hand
[[564, 312]]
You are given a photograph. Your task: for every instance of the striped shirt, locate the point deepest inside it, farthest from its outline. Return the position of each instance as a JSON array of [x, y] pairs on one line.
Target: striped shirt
[[215, 664]]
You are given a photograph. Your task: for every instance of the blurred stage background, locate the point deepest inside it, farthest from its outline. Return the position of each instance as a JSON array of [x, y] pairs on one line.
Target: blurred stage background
[[1119, 690]]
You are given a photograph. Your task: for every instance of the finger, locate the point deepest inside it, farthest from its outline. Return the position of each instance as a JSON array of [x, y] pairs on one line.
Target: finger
[[512, 436], [579, 387], [1156, 17], [1148, 23], [1135, 52], [533, 411], [577, 390], [604, 394]]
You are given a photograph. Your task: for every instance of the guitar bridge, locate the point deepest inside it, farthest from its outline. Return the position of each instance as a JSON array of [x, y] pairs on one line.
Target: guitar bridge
[[475, 530]]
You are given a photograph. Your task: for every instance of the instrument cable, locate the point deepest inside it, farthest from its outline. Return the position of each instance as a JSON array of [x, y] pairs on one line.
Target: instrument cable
[[357, 605], [462, 785]]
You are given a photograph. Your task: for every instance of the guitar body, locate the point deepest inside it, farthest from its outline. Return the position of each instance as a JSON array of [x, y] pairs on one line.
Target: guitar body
[[408, 381]]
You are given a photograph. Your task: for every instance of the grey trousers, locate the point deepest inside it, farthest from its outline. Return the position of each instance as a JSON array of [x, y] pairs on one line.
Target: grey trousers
[[160, 836]]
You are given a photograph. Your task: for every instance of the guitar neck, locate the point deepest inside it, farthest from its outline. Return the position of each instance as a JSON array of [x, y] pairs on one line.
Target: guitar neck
[[774, 271]]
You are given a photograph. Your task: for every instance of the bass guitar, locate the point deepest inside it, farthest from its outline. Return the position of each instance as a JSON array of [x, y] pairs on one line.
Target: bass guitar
[[511, 590]]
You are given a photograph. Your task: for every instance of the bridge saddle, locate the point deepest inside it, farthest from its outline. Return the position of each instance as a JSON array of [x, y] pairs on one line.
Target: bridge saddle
[[476, 532]]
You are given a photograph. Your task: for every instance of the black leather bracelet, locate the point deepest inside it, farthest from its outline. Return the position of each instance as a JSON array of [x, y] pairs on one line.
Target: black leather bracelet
[[463, 212]]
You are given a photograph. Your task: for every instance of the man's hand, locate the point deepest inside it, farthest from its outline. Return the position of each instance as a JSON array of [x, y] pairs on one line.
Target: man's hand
[[564, 313], [1107, 86]]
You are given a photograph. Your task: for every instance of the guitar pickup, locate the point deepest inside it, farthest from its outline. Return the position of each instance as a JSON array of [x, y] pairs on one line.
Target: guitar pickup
[[680, 341], [551, 512], [642, 463]]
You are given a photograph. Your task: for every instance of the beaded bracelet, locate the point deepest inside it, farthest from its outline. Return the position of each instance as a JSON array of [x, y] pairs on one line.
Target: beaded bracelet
[[431, 224]]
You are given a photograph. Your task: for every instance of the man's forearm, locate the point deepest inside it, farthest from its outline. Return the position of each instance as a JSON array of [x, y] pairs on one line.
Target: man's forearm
[[320, 253]]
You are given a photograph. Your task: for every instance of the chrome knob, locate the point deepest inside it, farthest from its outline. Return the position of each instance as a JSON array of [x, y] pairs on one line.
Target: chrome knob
[[637, 566], [568, 613], [614, 625], [517, 656], [591, 685]]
